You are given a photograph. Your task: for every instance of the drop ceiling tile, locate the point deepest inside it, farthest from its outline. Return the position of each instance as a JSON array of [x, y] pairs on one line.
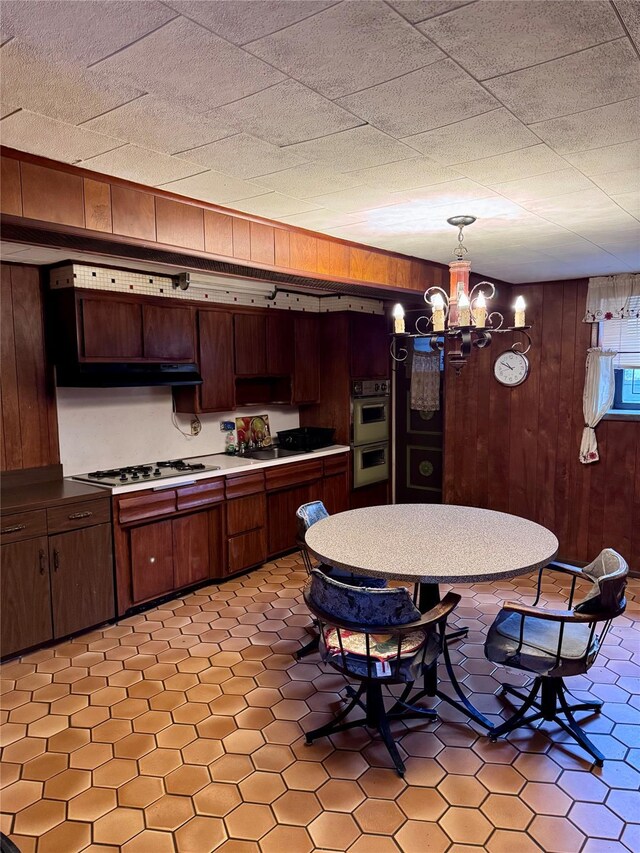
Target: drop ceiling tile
[[274, 205], [627, 252], [81, 31], [405, 174], [308, 180], [354, 149], [495, 132], [60, 91], [630, 14], [153, 123], [594, 128], [141, 165], [524, 163], [544, 186], [243, 156], [591, 78], [241, 21], [422, 100], [615, 183], [51, 138], [347, 48], [6, 109], [613, 158], [489, 38], [320, 220], [286, 113], [356, 199], [185, 62], [592, 210], [453, 193], [214, 187], [629, 202], [419, 10]]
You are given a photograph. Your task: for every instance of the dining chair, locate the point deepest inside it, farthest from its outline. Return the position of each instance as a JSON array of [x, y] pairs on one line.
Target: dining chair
[[554, 644], [376, 637]]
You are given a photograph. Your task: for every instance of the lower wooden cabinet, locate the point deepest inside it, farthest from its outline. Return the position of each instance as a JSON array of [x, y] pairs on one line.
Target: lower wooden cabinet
[[282, 508], [25, 595], [335, 492], [151, 560], [197, 545], [246, 550]]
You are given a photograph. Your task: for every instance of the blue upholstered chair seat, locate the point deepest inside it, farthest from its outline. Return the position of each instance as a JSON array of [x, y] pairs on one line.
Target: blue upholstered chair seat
[[349, 578]]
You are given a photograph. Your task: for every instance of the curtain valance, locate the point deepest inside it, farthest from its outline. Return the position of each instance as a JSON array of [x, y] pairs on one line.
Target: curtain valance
[[613, 297]]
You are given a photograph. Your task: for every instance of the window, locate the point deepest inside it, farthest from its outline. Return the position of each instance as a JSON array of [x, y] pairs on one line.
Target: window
[[623, 336]]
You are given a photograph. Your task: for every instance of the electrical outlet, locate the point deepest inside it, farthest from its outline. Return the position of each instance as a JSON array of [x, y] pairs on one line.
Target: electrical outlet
[[196, 427]]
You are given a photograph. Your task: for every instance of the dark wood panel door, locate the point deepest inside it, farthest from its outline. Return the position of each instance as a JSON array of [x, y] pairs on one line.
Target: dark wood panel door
[[245, 514], [81, 579], [279, 343], [246, 550], [191, 548], [369, 346], [281, 509], [26, 598], [111, 329], [306, 377], [168, 333], [215, 330], [335, 492], [151, 560], [250, 344]]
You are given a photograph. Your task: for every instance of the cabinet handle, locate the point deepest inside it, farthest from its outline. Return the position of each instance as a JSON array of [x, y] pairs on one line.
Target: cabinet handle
[[13, 529], [56, 559], [43, 561], [80, 514]]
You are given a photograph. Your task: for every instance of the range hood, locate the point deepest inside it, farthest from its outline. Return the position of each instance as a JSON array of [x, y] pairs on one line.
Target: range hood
[[125, 375]]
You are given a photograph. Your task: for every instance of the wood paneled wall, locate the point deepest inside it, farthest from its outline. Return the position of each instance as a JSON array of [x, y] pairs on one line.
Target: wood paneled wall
[[72, 198], [516, 450], [27, 403]]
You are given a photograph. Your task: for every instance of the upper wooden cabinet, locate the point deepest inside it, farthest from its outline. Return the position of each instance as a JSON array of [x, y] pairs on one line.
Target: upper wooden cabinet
[[110, 329], [306, 376], [279, 343], [215, 350], [168, 333], [369, 346], [263, 344]]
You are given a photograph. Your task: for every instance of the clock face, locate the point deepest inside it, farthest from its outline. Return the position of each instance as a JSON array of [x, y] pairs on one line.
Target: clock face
[[511, 368]]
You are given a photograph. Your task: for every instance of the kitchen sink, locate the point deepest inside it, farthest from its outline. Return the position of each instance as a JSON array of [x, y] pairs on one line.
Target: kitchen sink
[[272, 453]]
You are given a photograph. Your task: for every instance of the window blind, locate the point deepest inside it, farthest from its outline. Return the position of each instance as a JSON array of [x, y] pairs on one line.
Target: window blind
[[623, 336]]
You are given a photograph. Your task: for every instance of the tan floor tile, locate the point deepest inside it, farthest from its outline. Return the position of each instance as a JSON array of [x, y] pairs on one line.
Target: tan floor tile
[[333, 830], [45, 766], [24, 750], [556, 834], [249, 821], [91, 756], [20, 794], [282, 838], [187, 780], [373, 844], [422, 804], [40, 817], [115, 773], [141, 792], [118, 826], [67, 784], [169, 812], [379, 817], [507, 812], [466, 826], [134, 746], [160, 762], [91, 804], [69, 836]]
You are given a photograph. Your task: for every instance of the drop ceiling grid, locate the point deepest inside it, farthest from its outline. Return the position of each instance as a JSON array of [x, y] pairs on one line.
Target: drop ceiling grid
[[379, 143]]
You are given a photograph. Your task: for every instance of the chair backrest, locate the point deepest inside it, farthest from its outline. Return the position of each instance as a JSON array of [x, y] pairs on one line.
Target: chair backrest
[[308, 514], [360, 606], [608, 573]]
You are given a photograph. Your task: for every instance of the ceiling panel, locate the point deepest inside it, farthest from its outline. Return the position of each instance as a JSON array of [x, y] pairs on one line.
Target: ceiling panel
[[163, 126], [243, 156], [535, 160], [419, 10], [615, 183], [142, 165], [613, 158], [308, 180], [430, 97], [347, 48], [547, 185], [354, 149], [214, 187], [23, 130], [630, 13], [594, 128], [286, 113], [405, 174], [356, 199], [489, 38], [273, 205], [592, 78], [494, 132], [453, 193], [321, 219], [185, 62], [629, 202]]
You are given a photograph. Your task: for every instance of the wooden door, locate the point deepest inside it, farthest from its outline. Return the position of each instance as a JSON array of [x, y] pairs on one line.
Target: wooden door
[[279, 343], [192, 543], [250, 344], [81, 579], [111, 329], [281, 510], [306, 377], [151, 560], [335, 492], [168, 333], [26, 598], [215, 330], [369, 345]]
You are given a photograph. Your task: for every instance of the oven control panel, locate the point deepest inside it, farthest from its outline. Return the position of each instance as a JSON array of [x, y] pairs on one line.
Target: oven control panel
[[370, 388]]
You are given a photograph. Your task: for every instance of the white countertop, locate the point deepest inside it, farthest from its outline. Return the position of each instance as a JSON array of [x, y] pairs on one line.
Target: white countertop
[[228, 465]]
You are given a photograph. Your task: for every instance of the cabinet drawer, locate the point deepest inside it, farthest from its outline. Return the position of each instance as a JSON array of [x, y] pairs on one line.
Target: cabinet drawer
[[23, 525], [201, 494], [248, 549], [246, 514], [74, 516], [285, 476], [244, 484], [336, 464], [147, 505]]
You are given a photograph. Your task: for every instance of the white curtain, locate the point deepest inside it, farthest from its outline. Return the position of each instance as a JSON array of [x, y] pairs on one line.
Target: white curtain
[[597, 399], [613, 297]]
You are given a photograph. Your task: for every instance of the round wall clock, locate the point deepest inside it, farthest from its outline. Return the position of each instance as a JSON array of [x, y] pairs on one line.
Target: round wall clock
[[511, 368]]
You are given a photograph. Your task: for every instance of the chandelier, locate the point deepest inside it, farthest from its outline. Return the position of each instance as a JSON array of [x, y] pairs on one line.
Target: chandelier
[[462, 317]]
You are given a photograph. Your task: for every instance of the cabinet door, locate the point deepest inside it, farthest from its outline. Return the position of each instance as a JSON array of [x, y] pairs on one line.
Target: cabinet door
[[245, 514], [246, 550], [81, 579], [279, 343], [168, 333], [111, 329], [151, 560], [306, 378], [281, 508], [250, 344], [26, 599], [335, 493], [369, 344], [217, 392], [192, 543]]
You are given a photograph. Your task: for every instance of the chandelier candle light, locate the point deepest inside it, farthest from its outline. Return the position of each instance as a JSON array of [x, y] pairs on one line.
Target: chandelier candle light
[[461, 316]]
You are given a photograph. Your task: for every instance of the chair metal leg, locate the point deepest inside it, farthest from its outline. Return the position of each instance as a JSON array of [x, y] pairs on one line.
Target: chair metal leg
[[456, 635], [575, 731], [330, 728], [518, 718], [309, 648]]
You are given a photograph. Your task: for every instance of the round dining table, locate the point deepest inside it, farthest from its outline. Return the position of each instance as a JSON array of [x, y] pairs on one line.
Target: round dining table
[[430, 544]]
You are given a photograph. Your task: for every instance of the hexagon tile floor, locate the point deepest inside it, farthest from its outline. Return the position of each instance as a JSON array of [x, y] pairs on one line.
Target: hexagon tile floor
[[181, 730]]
